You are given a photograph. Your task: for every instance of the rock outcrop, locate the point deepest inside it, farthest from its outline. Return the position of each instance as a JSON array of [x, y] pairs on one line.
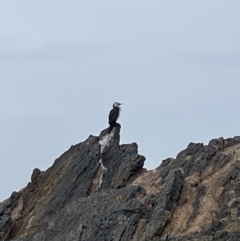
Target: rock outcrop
[[98, 190]]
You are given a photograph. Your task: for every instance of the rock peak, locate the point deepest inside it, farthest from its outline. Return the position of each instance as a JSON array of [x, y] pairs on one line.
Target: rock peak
[[99, 190]]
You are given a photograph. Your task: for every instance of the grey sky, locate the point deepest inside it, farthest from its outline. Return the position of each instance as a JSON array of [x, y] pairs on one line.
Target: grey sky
[[175, 65]]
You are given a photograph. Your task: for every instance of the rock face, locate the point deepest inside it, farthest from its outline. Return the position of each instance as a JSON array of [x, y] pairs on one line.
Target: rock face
[[99, 191]]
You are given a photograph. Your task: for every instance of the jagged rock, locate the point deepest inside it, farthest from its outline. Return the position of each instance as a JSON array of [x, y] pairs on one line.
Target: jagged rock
[[165, 203], [6, 220], [99, 191], [36, 176]]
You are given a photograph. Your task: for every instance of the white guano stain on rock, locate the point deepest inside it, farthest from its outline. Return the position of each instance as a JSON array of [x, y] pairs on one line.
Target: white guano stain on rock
[[104, 169], [103, 143]]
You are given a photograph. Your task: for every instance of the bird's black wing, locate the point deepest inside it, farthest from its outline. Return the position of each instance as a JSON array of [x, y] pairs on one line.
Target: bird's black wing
[[113, 115]]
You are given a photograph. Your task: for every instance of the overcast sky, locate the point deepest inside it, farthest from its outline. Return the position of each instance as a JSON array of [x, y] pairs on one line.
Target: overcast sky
[[175, 66]]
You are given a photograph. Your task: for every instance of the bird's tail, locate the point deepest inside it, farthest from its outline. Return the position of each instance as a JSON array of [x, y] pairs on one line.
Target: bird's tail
[[110, 128]]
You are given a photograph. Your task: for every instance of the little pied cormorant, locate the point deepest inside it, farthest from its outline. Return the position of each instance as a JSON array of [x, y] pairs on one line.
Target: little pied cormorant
[[114, 115]]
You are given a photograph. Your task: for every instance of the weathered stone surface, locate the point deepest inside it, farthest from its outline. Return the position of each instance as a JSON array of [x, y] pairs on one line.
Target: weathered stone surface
[[95, 217], [165, 203], [99, 191], [6, 221]]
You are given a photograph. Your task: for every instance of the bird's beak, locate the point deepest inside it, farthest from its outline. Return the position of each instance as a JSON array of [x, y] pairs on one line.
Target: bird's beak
[[120, 103]]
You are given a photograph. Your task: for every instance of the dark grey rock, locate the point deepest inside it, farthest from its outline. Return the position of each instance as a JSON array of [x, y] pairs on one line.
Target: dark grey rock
[[100, 219], [237, 189], [36, 176], [231, 141], [6, 222], [167, 161], [90, 194], [218, 144], [221, 235], [164, 206], [236, 139]]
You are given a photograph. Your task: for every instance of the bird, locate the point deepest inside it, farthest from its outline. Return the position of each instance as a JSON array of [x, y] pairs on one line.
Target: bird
[[114, 115]]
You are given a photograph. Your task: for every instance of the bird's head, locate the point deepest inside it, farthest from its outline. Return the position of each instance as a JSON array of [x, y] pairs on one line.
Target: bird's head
[[116, 104]]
